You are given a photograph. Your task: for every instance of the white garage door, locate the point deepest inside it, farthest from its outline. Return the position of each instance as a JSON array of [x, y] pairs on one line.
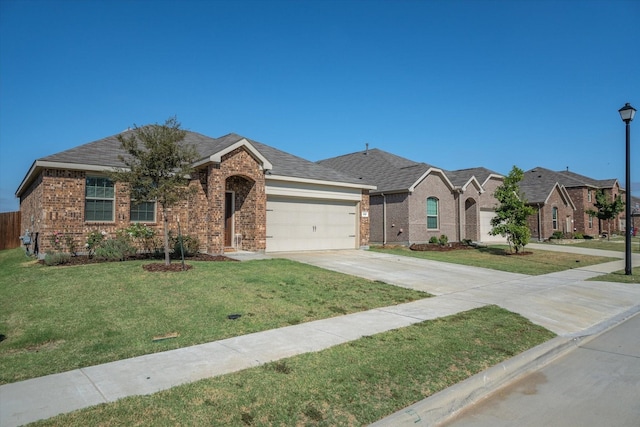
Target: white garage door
[[304, 224], [485, 227]]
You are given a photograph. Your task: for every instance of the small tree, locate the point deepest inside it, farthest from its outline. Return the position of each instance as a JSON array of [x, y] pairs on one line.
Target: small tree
[[158, 169], [606, 210], [512, 212]]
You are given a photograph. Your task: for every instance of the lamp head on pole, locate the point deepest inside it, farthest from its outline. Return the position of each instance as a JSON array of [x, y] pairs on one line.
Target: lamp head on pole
[[627, 112]]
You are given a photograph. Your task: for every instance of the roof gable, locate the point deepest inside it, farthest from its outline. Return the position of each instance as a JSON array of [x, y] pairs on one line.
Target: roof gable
[[538, 184]]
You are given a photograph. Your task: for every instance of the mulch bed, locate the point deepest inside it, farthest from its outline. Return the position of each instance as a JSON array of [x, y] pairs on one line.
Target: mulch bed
[[176, 264], [453, 246]]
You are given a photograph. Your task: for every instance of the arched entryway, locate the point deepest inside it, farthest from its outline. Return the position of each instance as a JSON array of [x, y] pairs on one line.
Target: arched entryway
[[471, 226], [240, 213]]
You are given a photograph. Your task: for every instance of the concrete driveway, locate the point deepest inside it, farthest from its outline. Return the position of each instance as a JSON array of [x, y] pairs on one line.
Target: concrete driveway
[[562, 302]]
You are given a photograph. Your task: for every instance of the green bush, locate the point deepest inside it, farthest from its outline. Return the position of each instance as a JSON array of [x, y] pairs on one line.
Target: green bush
[[434, 240], [190, 245], [117, 249], [94, 239], [443, 240], [143, 235], [557, 235], [578, 236], [56, 258]]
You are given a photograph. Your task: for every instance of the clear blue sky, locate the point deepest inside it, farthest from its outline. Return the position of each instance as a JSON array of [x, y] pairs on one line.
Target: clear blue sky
[[455, 84]]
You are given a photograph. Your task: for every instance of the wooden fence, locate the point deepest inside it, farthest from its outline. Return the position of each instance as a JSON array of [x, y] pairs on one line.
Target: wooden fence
[[9, 230]]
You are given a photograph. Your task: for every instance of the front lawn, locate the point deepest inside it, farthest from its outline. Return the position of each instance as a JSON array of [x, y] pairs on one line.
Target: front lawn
[[498, 258], [55, 319], [355, 383]]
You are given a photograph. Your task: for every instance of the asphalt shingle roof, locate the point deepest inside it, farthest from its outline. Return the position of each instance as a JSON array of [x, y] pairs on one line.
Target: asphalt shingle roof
[[537, 184], [105, 152], [461, 176], [385, 170]]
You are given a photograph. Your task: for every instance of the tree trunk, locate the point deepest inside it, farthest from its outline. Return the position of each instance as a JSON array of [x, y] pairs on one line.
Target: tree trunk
[[167, 259]]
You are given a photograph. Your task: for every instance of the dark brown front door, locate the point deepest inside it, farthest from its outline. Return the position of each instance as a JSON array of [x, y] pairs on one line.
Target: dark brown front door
[[228, 219]]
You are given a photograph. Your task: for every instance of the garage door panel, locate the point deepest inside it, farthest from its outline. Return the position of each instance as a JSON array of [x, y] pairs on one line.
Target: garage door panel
[[300, 224], [486, 227]]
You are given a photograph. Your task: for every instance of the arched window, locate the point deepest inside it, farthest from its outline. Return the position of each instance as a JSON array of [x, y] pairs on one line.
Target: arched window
[[432, 213], [554, 217]]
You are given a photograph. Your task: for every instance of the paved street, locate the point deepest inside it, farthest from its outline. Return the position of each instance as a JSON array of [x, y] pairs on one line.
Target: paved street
[[597, 384]]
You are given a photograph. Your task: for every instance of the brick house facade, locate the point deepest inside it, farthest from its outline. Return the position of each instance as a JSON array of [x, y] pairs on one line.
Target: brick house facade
[[228, 206]]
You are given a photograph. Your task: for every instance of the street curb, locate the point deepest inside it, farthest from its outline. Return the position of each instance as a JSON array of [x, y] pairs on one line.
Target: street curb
[[444, 405]]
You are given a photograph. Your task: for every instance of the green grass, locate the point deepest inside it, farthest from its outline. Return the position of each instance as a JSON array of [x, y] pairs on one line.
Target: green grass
[[620, 277], [498, 258], [61, 318], [352, 384]]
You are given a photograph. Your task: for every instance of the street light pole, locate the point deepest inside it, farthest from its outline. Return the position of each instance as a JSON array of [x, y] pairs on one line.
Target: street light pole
[[626, 114]]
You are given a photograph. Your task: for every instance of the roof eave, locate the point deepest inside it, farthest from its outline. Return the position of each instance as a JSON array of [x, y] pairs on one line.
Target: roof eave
[[38, 165]]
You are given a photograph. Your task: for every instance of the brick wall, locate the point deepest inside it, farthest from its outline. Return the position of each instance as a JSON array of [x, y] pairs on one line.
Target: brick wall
[[397, 211], [545, 216], [433, 186]]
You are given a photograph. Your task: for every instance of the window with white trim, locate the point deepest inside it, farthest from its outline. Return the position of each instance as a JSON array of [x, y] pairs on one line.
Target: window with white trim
[[554, 218], [99, 198], [432, 213]]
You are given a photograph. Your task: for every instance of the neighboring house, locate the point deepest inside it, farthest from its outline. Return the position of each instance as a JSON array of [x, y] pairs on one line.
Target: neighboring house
[[554, 207], [582, 190], [416, 201], [248, 196]]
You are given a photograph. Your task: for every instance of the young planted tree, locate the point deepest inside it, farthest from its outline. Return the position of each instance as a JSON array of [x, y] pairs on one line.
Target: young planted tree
[[606, 210], [512, 212], [157, 167]]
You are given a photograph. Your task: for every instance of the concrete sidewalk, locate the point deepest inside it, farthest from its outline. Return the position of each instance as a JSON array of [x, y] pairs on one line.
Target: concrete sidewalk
[[562, 302]]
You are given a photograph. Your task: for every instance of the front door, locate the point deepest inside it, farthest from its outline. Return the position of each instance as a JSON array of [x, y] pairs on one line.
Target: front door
[[228, 219]]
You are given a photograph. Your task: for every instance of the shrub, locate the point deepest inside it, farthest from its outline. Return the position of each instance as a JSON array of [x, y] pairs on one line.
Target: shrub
[[56, 258], [443, 240], [434, 240], [117, 249], [190, 245], [578, 236], [56, 240], [93, 241], [143, 235], [72, 246], [557, 235]]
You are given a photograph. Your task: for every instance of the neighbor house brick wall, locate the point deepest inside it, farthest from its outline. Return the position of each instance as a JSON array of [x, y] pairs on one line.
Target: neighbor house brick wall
[[397, 208], [433, 185], [580, 198], [545, 216]]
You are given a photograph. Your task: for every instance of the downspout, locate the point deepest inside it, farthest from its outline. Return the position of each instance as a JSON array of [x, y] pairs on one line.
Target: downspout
[[384, 219]]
